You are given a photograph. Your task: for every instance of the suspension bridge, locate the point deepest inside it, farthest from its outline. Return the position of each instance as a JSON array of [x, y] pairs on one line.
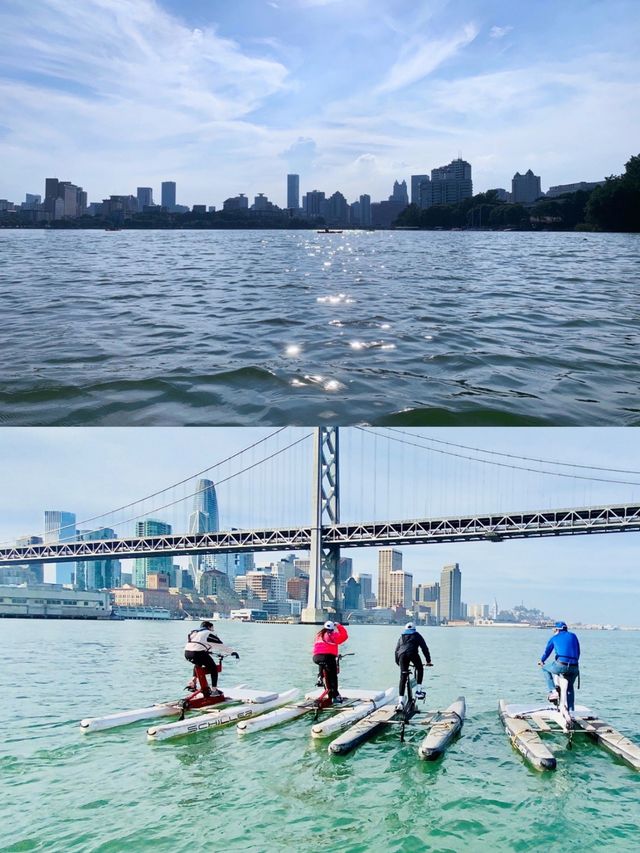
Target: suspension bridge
[[324, 534]]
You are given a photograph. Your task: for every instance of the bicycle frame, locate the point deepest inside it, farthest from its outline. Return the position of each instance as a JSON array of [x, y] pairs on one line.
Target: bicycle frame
[[562, 685], [323, 700]]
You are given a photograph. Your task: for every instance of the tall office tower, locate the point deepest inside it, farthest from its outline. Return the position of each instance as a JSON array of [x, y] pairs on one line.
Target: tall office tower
[[365, 210], [147, 565], [37, 569], [234, 564], [399, 193], [345, 569], [168, 195], [525, 189], [449, 184], [416, 180], [389, 560], [352, 595], [64, 199], [337, 209], [315, 203], [145, 197], [203, 519], [366, 588], [97, 574], [60, 526], [293, 192], [450, 592]]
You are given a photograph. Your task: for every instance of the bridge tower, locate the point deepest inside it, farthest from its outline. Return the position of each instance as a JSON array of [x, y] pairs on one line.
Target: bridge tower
[[324, 587]]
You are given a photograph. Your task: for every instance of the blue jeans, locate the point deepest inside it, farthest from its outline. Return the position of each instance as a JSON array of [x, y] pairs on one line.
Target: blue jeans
[[569, 670]]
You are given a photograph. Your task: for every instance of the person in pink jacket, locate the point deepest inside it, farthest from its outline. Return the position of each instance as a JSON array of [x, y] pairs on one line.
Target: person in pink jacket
[[325, 654]]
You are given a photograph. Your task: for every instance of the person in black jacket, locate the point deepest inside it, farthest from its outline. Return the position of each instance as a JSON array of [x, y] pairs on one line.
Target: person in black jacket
[[408, 651]]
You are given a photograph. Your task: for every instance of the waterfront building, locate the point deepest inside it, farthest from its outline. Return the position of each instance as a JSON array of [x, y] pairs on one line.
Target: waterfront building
[[64, 200], [53, 601], [97, 574], [352, 595], [450, 591], [449, 184], [146, 565], [298, 589], [416, 182], [399, 193], [204, 518], [238, 202], [116, 207], [145, 197], [525, 189], [259, 584], [337, 209], [478, 611], [315, 203], [261, 204], [36, 569], [394, 585], [584, 186], [293, 192], [365, 211], [59, 526], [501, 194], [168, 195], [366, 589], [302, 566]]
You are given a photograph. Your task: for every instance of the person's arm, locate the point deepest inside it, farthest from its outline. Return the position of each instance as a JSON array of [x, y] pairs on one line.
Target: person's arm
[[396, 655], [578, 646], [547, 651], [425, 648], [342, 634]]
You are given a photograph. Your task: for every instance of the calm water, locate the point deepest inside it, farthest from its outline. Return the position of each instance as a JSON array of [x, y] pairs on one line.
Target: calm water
[[278, 790], [294, 327]]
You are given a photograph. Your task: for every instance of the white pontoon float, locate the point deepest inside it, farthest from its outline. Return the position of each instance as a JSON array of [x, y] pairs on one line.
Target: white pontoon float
[[524, 724], [196, 702], [356, 701], [441, 728]]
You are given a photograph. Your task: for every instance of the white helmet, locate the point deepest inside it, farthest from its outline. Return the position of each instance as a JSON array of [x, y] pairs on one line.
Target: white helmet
[[330, 626], [409, 626]]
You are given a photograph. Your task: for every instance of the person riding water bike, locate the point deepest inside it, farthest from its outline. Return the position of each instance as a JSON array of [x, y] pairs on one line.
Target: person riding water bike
[[325, 653], [407, 652], [201, 644], [566, 646]]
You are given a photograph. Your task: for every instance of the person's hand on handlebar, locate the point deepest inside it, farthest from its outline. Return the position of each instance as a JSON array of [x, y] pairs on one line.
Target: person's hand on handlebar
[[235, 655]]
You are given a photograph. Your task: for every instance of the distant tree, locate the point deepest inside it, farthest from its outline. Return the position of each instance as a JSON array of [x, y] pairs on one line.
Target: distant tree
[[615, 206]]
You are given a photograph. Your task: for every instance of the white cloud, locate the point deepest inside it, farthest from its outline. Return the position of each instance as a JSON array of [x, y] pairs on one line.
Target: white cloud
[[419, 58], [499, 32]]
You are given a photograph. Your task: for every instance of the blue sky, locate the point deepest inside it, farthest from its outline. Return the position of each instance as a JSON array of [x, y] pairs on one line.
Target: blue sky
[[592, 579], [227, 97]]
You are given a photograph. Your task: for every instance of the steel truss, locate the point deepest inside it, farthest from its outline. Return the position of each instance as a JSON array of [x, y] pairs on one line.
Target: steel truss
[[621, 518]]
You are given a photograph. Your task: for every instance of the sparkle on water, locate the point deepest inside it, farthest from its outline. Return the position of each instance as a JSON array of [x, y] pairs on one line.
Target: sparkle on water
[[185, 327]]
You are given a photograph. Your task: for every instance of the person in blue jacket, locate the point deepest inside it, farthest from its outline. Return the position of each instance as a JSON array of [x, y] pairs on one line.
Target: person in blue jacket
[[566, 647]]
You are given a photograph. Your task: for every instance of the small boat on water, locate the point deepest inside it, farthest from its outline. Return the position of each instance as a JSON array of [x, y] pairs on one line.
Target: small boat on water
[[329, 231], [441, 728], [525, 723]]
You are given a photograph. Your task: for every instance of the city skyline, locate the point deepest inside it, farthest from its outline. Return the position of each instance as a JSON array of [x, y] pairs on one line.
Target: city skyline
[[589, 579], [225, 98]]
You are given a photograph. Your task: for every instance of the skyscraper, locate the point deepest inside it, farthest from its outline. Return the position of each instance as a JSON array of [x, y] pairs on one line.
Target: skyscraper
[[416, 180], [449, 184], [60, 526], [36, 568], [145, 197], [168, 195], [203, 519], [525, 189], [293, 192], [394, 585], [146, 565], [450, 592], [97, 574]]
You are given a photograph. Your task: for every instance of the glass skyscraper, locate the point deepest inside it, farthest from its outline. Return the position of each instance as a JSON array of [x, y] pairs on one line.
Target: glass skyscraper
[[450, 592], [97, 574], [60, 526], [203, 519], [147, 565], [293, 192]]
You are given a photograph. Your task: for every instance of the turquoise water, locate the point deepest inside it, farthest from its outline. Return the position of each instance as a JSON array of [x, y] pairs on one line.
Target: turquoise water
[[278, 790], [274, 327]]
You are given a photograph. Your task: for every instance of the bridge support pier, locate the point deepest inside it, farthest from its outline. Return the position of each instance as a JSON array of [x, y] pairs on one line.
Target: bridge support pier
[[324, 589]]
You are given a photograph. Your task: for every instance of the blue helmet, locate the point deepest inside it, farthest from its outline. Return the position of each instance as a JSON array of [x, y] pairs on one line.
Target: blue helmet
[[561, 626]]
